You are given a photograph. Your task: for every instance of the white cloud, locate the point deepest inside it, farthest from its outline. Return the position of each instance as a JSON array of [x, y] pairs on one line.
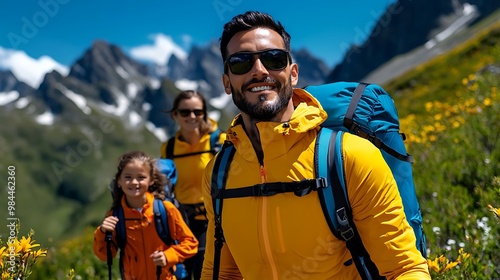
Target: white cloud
[[160, 52], [27, 69]]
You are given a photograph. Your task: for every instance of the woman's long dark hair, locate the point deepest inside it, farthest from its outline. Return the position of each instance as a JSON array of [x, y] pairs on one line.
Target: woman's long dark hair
[[159, 179]]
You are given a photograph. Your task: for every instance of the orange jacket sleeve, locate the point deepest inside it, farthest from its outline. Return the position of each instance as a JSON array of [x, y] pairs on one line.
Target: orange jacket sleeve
[[187, 244], [99, 245]]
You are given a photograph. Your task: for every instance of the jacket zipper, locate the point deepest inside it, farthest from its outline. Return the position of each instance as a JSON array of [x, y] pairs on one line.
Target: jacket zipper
[[144, 242], [265, 231]]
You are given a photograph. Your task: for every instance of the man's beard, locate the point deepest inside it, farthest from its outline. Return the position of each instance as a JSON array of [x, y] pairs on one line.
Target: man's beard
[[263, 111]]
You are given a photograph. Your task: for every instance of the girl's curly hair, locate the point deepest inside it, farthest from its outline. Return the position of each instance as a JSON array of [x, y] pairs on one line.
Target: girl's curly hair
[[159, 179]]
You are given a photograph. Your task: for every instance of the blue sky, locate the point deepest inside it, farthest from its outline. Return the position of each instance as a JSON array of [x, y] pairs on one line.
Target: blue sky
[[64, 29]]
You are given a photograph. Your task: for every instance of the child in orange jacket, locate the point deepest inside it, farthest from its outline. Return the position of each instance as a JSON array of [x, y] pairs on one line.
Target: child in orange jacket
[[138, 183]]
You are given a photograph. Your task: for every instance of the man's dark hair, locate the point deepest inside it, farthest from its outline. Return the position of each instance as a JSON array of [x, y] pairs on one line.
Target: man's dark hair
[[247, 21]]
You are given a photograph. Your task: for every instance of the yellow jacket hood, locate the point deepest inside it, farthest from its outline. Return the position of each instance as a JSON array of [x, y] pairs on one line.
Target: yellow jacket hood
[[308, 115]]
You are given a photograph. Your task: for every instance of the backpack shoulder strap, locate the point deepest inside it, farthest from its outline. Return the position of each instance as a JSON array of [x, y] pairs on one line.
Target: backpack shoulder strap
[[354, 127], [356, 97], [218, 183], [169, 148], [215, 144], [121, 235], [161, 221], [334, 202]]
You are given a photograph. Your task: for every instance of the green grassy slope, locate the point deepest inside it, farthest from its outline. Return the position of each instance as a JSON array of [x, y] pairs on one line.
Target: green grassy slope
[[62, 171]]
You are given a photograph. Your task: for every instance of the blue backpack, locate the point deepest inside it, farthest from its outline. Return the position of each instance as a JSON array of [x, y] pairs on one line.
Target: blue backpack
[[363, 109], [167, 167]]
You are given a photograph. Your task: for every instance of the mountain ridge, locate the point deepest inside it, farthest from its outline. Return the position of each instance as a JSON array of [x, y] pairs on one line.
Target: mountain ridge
[[405, 26]]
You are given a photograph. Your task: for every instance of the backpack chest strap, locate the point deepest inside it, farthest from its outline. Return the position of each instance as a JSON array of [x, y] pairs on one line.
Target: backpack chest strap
[[299, 188]]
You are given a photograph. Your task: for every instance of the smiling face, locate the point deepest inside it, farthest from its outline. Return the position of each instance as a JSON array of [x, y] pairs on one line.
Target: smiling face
[[193, 120], [261, 94], [134, 181]]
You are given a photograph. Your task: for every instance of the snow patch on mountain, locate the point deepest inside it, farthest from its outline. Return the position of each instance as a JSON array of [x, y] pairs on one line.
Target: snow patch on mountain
[[160, 52], [468, 14], [185, 84], [8, 97], [158, 132], [221, 102], [132, 90], [27, 69], [154, 83], [79, 100], [46, 118], [124, 74], [120, 108], [22, 103], [134, 118]]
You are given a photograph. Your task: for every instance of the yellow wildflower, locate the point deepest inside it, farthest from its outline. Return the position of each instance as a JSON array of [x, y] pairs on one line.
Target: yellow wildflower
[[442, 259], [487, 102], [6, 275], [25, 244], [433, 264], [450, 266], [474, 86], [462, 255], [39, 253], [495, 211], [465, 81], [428, 128], [428, 106], [3, 252]]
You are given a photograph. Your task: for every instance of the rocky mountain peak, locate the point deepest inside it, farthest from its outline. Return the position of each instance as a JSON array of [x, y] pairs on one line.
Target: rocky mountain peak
[[9, 82], [106, 62]]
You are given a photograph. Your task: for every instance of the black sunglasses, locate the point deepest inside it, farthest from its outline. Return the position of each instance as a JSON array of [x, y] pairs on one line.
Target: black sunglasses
[[187, 112], [241, 62]]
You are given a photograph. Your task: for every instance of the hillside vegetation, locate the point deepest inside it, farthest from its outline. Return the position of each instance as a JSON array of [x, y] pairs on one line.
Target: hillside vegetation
[[450, 113], [62, 171]]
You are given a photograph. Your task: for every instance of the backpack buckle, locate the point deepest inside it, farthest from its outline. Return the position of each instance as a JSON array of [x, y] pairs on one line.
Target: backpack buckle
[[348, 234], [263, 190], [307, 186], [321, 183], [345, 229]]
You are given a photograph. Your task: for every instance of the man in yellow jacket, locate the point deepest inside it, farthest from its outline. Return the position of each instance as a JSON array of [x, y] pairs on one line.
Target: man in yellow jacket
[[284, 236]]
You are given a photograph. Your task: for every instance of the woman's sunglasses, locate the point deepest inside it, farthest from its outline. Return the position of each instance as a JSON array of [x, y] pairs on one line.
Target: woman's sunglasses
[[241, 62], [186, 112]]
